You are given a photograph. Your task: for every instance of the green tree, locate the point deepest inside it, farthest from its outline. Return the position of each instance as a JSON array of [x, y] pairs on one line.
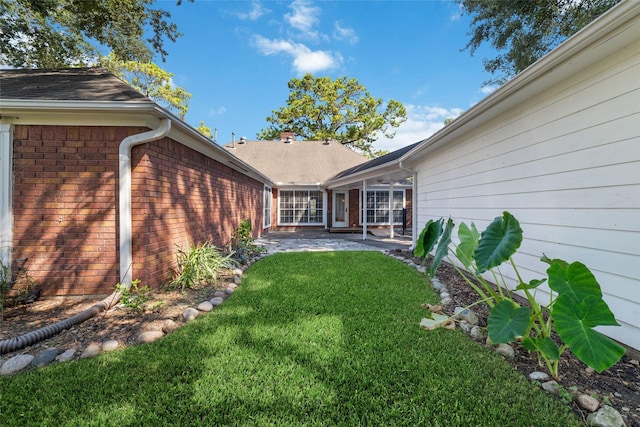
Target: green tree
[[340, 109], [205, 130], [61, 33], [150, 80], [525, 30]]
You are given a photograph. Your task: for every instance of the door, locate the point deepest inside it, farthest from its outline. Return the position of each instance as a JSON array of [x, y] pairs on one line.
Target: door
[[340, 209]]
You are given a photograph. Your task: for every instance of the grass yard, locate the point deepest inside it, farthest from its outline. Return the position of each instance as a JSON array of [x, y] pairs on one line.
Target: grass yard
[[327, 338]]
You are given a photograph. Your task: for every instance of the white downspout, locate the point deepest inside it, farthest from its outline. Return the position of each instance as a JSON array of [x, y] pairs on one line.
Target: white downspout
[[6, 193], [126, 253], [414, 204]]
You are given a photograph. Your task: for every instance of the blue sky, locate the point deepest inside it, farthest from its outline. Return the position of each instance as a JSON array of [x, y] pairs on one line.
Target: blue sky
[[236, 58]]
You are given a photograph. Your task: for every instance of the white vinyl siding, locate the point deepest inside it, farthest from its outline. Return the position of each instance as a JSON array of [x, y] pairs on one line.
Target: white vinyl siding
[[566, 163], [301, 207]]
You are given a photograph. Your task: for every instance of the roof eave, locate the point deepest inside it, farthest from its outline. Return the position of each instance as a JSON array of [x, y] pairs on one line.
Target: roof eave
[[507, 95]]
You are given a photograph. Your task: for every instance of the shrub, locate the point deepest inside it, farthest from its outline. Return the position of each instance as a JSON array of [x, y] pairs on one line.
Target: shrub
[[200, 265], [242, 245], [134, 297], [575, 303]]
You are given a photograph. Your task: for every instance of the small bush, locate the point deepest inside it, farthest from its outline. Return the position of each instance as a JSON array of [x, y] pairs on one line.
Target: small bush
[[135, 297], [241, 245], [200, 265]]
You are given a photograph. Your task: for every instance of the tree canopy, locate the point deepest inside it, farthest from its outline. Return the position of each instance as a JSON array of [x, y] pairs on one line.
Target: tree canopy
[[60, 33], [340, 109], [525, 30], [150, 80]]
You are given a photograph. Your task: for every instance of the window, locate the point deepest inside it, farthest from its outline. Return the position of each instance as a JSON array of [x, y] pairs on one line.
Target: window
[[301, 207], [267, 207], [377, 207]]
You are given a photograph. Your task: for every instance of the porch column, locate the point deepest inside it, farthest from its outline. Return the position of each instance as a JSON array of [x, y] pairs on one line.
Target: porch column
[[363, 210], [391, 209]]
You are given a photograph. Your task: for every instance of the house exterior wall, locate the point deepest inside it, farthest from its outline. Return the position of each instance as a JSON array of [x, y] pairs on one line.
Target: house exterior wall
[[565, 163], [65, 199]]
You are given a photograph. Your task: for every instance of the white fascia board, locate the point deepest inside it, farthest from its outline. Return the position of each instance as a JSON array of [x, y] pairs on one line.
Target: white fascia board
[[618, 27]]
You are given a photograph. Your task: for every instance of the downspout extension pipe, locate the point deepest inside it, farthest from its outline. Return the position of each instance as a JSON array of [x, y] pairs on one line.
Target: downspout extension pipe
[[126, 255]]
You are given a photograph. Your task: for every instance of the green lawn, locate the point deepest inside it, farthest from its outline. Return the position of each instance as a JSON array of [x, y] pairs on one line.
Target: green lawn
[[308, 339]]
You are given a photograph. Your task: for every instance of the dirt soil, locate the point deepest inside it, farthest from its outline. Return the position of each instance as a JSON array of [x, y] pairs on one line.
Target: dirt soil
[[619, 386]]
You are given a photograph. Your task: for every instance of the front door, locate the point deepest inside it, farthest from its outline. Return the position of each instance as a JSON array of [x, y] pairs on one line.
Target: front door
[[340, 209]]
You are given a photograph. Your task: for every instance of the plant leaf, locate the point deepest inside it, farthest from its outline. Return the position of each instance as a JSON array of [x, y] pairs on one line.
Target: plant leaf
[[531, 285], [498, 242], [545, 346], [436, 321], [574, 322], [443, 248], [507, 322], [469, 238], [574, 279], [428, 238]]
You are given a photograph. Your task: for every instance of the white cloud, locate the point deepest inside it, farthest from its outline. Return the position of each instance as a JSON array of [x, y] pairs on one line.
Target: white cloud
[[489, 89], [345, 33], [304, 59], [218, 111], [304, 16], [254, 13], [422, 122]]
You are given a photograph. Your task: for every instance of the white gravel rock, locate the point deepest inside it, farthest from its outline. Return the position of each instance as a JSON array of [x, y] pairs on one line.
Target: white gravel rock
[[67, 355], [539, 376], [150, 336], [216, 301], [92, 350], [110, 345], [190, 314], [205, 306], [15, 364]]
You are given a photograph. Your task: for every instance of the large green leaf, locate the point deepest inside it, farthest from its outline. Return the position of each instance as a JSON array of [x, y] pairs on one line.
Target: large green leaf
[[574, 322], [531, 285], [574, 280], [498, 242], [428, 238], [544, 345], [443, 248], [469, 238], [506, 322]]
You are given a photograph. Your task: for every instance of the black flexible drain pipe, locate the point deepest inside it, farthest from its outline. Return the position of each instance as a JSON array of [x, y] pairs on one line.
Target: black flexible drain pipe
[[30, 338]]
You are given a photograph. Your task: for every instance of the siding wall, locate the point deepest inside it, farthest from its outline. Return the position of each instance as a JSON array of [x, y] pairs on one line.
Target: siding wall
[[65, 206], [566, 163]]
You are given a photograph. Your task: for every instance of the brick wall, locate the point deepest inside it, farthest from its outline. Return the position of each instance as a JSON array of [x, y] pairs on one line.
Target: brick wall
[[181, 197], [66, 196]]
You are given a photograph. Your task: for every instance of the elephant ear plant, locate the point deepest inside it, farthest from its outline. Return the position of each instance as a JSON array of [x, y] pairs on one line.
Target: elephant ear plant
[[575, 305]]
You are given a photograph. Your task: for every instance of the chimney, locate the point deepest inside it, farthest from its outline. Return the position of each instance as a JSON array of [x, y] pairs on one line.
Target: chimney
[[287, 137]]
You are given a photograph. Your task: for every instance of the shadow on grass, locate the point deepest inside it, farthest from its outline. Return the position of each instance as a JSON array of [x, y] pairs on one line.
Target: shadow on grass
[[308, 339]]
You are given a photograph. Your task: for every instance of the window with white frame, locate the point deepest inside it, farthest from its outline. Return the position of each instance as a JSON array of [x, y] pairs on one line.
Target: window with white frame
[[376, 207], [301, 207], [267, 207]]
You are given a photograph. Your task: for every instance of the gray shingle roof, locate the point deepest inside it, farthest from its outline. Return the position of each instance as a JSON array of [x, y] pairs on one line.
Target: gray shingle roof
[[387, 158], [298, 162], [73, 84]]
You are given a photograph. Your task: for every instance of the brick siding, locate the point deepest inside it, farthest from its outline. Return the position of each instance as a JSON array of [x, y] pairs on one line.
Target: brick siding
[[65, 204]]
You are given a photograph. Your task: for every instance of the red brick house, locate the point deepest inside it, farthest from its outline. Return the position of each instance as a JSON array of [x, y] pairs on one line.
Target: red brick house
[[99, 185]]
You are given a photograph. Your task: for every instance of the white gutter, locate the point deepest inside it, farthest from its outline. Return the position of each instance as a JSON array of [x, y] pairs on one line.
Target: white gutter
[[6, 194], [124, 216]]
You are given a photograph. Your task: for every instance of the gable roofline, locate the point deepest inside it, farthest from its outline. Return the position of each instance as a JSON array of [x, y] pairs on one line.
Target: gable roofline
[[619, 26], [139, 112]]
